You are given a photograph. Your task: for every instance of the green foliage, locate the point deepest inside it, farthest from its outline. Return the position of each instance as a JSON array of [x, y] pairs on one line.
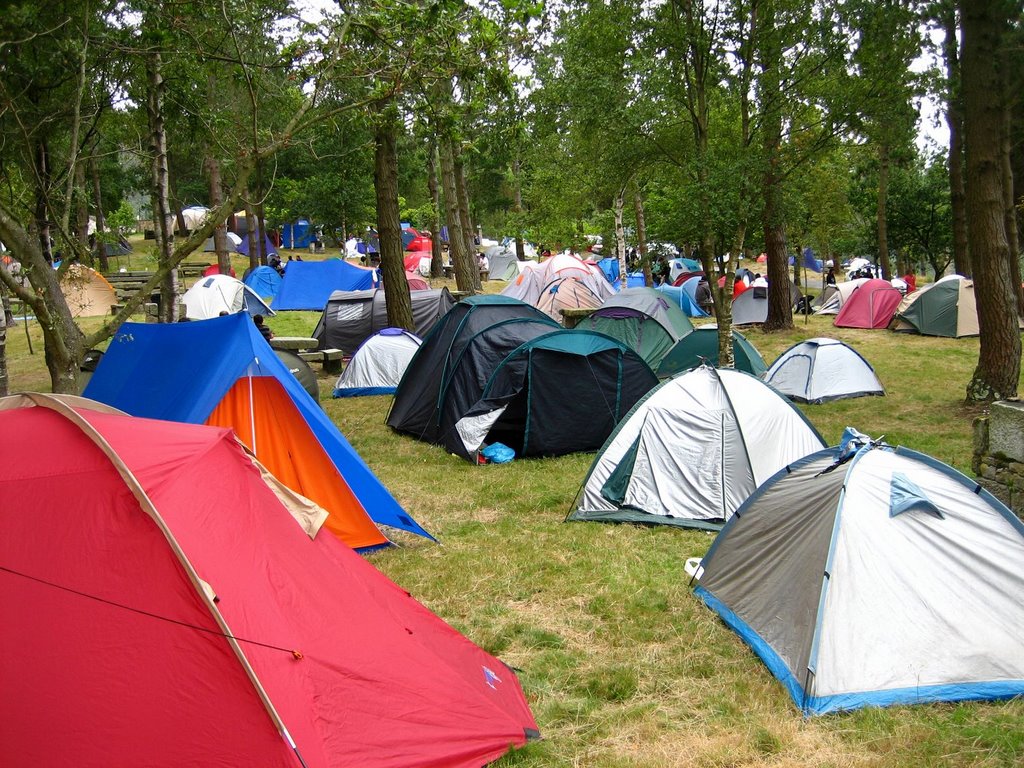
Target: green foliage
[[123, 221]]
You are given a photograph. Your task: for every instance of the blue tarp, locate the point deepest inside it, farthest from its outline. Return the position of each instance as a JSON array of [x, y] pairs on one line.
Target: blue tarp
[[265, 282], [309, 284], [297, 235], [181, 371]]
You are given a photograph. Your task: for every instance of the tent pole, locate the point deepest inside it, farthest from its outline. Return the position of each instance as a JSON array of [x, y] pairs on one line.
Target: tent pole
[[252, 414]]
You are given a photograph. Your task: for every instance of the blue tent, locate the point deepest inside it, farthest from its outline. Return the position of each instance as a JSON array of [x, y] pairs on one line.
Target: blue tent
[[683, 298], [309, 284], [265, 282], [813, 264], [183, 372], [610, 268], [297, 235], [268, 245]]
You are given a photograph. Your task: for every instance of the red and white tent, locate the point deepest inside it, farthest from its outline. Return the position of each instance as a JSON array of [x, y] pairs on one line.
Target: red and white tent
[[166, 602]]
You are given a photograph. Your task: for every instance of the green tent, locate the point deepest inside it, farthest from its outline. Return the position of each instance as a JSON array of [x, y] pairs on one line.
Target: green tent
[[945, 308], [642, 319], [702, 346]]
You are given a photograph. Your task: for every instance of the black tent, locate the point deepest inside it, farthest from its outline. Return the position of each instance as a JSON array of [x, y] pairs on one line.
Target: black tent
[[351, 317], [455, 362]]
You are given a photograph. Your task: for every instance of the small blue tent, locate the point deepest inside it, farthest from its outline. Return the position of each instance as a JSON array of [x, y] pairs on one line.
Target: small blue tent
[[188, 371], [683, 297], [265, 282], [309, 284]]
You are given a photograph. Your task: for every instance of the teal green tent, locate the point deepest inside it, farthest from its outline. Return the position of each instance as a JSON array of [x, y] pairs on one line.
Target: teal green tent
[[702, 346], [642, 319]]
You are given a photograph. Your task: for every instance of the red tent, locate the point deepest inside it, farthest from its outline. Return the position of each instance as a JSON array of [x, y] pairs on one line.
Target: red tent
[[871, 305], [214, 269], [166, 603]]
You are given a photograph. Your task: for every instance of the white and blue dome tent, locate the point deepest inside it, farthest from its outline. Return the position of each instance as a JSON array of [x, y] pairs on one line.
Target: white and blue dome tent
[[872, 576], [693, 450], [378, 365], [214, 294], [821, 370]]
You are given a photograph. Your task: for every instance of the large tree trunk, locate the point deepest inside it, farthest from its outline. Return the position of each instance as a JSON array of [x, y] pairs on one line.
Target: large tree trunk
[[220, 234], [620, 237], [517, 208], [641, 239], [389, 224], [881, 220], [436, 267], [462, 262], [250, 234], [467, 223], [42, 218], [1010, 207], [101, 222], [998, 367], [160, 187], [955, 121]]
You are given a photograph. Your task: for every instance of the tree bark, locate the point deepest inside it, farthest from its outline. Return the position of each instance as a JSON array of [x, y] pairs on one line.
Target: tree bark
[[998, 367], [955, 121], [101, 221], [81, 203], [467, 224], [160, 187], [436, 266], [4, 389], [517, 207], [220, 233], [461, 261], [641, 239], [1010, 207], [881, 220], [250, 233], [620, 237], [389, 225]]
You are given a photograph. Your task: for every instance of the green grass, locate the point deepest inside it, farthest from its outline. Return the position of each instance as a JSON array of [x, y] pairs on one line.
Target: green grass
[[623, 667]]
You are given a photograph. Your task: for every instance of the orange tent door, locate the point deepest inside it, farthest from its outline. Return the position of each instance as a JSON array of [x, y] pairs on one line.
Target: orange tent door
[[271, 427]]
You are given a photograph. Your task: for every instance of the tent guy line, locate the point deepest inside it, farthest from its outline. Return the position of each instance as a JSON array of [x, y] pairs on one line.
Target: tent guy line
[[296, 653]]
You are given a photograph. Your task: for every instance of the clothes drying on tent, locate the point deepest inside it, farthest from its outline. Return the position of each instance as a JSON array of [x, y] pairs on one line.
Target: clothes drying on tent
[[454, 364], [693, 450], [559, 393], [379, 364], [751, 306], [171, 603], [87, 292], [873, 577], [944, 308], [264, 281], [643, 319], [871, 305], [309, 284], [700, 347], [351, 317], [222, 372], [220, 293], [819, 370]]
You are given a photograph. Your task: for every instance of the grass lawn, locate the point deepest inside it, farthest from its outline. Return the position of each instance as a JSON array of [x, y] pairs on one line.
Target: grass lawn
[[622, 665]]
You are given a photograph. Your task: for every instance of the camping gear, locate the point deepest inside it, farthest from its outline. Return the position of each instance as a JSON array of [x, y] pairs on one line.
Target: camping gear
[[221, 293], [819, 370], [871, 305], [86, 291], [455, 362], [751, 306], [873, 577], [222, 372], [701, 347], [693, 450], [378, 364], [832, 298], [559, 393], [309, 284], [167, 602], [643, 319], [945, 308], [265, 282], [351, 317]]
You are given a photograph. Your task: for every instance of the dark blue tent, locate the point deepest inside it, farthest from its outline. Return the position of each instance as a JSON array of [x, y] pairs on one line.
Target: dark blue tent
[[297, 235], [183, 372], [265, 282], [309, 284], [269, 247]]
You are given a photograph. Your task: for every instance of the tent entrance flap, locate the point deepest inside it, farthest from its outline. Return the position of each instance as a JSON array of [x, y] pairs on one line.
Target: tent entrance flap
[[260, 411]]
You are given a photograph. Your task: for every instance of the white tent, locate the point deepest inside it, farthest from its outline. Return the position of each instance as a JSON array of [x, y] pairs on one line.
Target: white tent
[[693, 450], [820, 370], [378, 365], [233, 242], [194, 216], [831, 300], [888, 579], [222, 293]]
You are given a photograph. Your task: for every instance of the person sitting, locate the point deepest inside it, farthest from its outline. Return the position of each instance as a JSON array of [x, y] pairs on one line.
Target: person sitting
[[263, 329]]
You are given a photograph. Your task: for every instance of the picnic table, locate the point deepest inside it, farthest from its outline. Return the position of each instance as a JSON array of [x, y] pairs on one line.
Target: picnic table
[[306, 348], [294, 343]]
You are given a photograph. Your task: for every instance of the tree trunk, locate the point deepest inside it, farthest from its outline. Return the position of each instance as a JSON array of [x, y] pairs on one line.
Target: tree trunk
[[389, 224], [81, 202], [101, 222], [641, 239], [42, 218], [220, 234], [4, 389], [462, 262], [620, 237], [517, 208], [880, 210], [160, 187], [998, 367], [436, 266], [955, 121], [467, 224], [260, 222], [250, 234], [1010, 208]]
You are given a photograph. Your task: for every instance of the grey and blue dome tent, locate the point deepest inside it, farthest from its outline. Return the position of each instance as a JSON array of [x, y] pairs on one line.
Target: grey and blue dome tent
[[560, 393], [874, 576], [701, 346], [820, 370], [453, 365], [643, 319], [693, 450], [379, 364]]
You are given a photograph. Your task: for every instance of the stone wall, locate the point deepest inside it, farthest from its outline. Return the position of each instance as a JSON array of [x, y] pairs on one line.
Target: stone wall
[[999, 453]]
